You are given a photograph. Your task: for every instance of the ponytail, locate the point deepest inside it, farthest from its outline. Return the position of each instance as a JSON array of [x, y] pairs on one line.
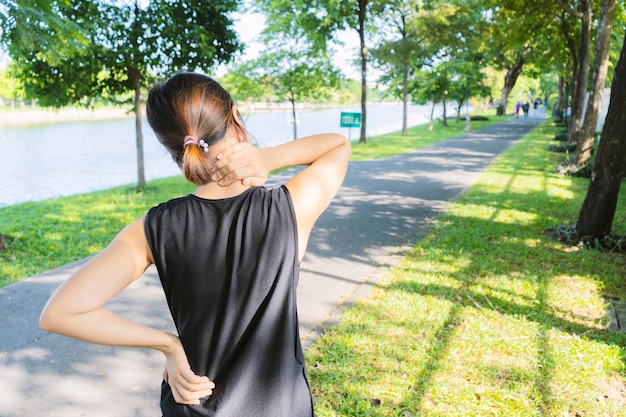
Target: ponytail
[[192, 104], [197, 165]]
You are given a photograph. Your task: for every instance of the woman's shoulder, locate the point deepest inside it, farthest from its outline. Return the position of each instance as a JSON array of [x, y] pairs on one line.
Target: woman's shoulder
[[170, 204], [254, 195]]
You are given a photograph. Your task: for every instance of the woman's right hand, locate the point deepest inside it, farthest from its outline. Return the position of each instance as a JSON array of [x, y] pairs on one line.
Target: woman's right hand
[[186, 386], [240, 162]]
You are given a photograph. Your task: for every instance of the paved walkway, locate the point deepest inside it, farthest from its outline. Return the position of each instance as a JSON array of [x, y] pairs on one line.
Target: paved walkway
[[383, 207]]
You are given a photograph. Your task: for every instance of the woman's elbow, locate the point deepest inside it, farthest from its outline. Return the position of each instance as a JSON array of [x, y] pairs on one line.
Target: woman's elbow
[[48, 319]]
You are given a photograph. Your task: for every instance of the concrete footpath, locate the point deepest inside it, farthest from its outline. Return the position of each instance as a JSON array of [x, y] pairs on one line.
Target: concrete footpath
[[383, 207]]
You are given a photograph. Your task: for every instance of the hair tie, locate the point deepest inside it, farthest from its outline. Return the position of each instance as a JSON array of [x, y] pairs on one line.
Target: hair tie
[[199, 143]]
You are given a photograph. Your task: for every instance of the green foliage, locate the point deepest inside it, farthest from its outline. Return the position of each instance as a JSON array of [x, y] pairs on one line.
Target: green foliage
[[8, 90], [290, 70], [317, 21], [294, 73], [567, 234], [563, 147], [243, 84], [561, 136], [402, 41], [69, 51]]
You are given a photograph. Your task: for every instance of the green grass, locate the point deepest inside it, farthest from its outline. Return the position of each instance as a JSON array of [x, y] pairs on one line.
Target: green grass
[[487, 315], [384, 146], [48, 234]]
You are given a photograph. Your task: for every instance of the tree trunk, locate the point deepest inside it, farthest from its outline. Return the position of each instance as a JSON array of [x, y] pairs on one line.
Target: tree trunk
[[293, 116], [586, 136], [362, 12], [509, 81], [431, 126], [584, 50], [136, 82], [405, 97], [135, 79], [561, 102], [444, 119], [598, 209]]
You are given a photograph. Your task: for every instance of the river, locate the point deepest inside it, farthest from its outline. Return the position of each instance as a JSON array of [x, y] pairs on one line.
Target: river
[[54, 160]]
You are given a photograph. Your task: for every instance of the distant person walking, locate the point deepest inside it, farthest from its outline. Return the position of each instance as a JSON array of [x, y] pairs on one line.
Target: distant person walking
[[227, 255]]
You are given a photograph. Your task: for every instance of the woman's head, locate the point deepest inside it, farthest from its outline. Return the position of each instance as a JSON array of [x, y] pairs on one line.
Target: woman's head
[[189, 108]]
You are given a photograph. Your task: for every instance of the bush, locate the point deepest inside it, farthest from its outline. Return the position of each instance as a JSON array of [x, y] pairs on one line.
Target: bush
[[563, 147], [574, 170], [561, 136]]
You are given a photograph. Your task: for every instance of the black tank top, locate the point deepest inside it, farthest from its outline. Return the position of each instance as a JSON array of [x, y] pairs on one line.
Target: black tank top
[[229, 269]]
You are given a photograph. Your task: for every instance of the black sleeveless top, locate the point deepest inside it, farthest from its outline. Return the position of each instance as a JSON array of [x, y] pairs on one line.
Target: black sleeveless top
[[229, 269]]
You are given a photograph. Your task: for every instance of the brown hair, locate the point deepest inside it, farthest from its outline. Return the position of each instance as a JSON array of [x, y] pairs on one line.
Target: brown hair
[[195, 105]]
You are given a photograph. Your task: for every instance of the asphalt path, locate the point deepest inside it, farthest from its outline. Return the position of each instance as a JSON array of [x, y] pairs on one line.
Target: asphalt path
[[380, 211]]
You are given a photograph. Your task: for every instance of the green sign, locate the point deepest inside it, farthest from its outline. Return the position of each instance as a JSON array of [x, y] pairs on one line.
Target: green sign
[[350, 120]]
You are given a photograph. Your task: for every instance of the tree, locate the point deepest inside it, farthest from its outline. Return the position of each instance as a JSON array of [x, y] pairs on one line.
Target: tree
[[513, 71], [432, 84], [243, 84], [598, 209], [74, 51], [320, 21], [584, 13], [8, 90], [362, 13], [294, 73], [513, 39], [402, 50], [586, 135]]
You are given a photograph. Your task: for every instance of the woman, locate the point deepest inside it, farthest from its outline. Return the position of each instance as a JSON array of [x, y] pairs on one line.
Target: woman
[[227, 256]]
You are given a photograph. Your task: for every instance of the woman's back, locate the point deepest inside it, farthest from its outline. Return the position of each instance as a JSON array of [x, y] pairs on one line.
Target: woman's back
[[229, 270], [227, 257]]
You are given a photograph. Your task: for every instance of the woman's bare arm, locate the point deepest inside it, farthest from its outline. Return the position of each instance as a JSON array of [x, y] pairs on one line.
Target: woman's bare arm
[[76, 310]]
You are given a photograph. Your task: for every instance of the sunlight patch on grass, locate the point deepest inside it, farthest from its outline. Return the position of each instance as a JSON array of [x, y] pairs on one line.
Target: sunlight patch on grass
[[577, 299], [489, 368], [587, 376], [495, 290], [514, 216], [479, 211]]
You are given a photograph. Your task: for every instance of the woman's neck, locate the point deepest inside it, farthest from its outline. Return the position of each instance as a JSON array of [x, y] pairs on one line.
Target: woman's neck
[[214, 191]]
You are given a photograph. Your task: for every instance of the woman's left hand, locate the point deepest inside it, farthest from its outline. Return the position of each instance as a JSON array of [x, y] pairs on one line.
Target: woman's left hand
[[186, 386], [240, 162]]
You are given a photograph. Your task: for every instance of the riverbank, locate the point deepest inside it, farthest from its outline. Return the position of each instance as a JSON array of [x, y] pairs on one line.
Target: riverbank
[[33, 117], [24, 117]]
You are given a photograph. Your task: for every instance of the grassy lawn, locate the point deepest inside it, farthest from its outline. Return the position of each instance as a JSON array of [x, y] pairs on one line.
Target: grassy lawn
[[48, 234], [51, 233], [384, 146], [487, 315]]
